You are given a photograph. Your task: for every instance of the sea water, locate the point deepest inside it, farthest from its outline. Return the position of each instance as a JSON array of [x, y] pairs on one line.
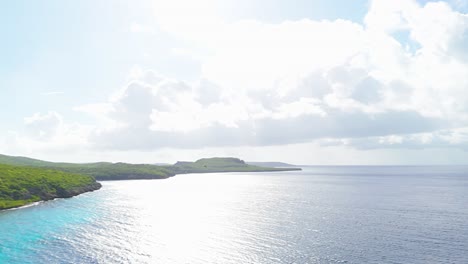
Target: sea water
[[350, 214]]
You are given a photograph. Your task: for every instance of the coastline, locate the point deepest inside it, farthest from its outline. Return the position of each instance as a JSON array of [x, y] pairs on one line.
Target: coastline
[[97, 185], [58, 187]]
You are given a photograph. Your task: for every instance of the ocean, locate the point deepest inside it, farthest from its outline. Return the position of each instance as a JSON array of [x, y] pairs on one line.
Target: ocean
[[323, 214]]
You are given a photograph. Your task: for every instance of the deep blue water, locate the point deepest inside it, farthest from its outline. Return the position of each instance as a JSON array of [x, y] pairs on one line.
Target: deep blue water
[[320, 215]]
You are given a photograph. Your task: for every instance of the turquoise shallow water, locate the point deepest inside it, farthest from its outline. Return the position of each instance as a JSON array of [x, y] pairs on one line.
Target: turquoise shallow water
[[319, 215]]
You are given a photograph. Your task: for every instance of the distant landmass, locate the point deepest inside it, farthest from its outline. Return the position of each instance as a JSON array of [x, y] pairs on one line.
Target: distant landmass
[[274, 164], [220, 165], [25, 180], [124, 171]]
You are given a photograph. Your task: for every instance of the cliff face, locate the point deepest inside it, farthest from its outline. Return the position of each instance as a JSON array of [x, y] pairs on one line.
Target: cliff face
[[64, 193]]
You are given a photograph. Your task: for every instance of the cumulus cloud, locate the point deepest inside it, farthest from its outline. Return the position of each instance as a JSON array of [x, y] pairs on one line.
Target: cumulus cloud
[[46, 133], [167, 113], [43, 126], [336, 82]]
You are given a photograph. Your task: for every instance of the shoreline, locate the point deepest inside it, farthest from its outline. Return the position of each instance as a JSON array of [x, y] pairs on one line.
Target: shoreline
[[66, 195], [23, 206]]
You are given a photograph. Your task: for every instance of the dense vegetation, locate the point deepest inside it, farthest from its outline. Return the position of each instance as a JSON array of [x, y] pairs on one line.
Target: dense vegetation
[[116, 171], [20, 185], [220, 165], [100, 170]]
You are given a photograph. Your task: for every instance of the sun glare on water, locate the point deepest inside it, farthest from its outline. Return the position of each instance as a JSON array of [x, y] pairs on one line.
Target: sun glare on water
[[184, 215]]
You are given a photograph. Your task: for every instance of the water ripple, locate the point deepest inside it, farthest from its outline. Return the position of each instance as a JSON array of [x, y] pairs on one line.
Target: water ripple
[[319, 215]]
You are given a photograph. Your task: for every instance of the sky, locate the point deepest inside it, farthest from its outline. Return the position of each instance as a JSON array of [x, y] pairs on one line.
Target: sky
[[307, 82]]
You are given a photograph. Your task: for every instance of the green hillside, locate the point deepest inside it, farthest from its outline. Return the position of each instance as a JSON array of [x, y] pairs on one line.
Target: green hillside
[[22, 185], [22, 161], [115, 171], [100, 170]]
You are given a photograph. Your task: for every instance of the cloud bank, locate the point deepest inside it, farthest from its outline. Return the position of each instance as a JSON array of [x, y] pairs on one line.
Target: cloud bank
[[399, 80]]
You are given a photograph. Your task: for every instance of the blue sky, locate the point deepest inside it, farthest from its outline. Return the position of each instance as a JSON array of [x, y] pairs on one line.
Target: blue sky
[[69, 66]]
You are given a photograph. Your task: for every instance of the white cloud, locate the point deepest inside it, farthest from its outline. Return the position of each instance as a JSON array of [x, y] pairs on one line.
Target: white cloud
[[251, 55], [300, 81], [47, 133], [335, 83], [160, 112], [43, 126]]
